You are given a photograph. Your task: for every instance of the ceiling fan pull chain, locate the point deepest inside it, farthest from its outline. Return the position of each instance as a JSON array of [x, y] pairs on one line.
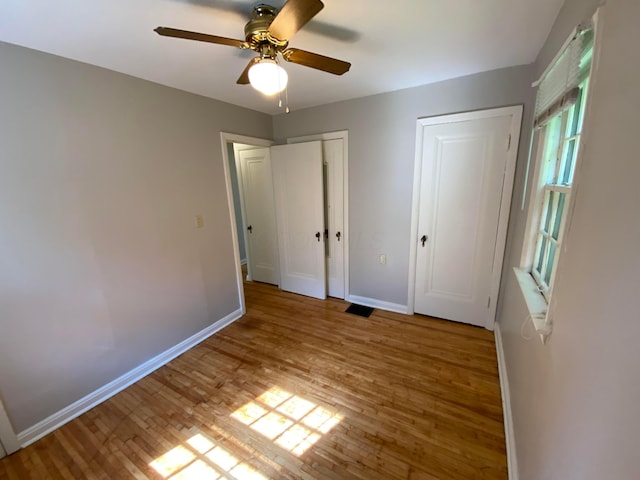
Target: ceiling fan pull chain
[[286, 99], [280, 91]]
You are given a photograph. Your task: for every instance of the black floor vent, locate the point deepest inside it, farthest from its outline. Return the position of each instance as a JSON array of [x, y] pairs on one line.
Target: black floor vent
[[359, 310]]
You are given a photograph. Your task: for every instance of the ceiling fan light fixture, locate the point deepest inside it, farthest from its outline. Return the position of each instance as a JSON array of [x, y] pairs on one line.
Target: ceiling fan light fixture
[[268, 77]]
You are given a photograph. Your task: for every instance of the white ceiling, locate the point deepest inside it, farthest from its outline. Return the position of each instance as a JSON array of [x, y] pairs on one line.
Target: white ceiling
[[391, 45]]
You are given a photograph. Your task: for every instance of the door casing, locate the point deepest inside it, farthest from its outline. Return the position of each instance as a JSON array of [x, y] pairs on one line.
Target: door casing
[[505, 203], [225, 139], [231, 138]]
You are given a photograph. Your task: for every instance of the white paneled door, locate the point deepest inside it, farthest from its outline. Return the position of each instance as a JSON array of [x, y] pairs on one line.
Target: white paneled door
[[299, 202], [460, 238], [259, 211]]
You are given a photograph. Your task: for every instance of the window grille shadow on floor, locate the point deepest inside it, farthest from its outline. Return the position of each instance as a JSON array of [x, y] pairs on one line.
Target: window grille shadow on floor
[[290, 421]]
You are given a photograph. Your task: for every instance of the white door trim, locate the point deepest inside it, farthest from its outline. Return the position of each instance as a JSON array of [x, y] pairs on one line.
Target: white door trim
[[225, 139], [8, 437], [505, 203], [344, 135]]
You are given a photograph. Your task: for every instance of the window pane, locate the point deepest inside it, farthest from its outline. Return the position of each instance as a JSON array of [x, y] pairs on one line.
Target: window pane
[[540, 251], [548, 208], [573, 122], [557, 221], [549, 266], [569, 161], [583, 101], [552, 139]]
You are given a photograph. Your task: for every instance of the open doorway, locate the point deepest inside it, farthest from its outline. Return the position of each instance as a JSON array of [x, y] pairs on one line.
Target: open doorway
[[251, 177], [253, 169], [238, 231]]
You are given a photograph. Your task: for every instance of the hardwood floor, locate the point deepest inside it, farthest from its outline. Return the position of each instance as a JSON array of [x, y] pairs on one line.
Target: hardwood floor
[[297, 389]]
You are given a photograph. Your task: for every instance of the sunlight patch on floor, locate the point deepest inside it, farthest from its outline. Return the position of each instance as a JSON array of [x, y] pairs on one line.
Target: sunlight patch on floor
[[292, 422], [202, 458]]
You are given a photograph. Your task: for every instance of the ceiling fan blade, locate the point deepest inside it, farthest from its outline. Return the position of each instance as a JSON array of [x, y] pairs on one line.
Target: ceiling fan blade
[[244, 78], [293, 16], [313, 60], [201, 37]]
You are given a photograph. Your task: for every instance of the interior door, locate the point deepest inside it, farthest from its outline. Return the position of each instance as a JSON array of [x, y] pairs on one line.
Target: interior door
[[333, 157], [259, 210], [463, 167], [299, 202]]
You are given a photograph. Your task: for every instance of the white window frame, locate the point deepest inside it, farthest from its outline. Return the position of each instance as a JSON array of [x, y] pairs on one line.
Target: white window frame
[[537, 292], [553, 156]]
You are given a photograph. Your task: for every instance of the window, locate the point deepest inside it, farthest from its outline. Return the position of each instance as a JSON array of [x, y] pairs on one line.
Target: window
[[559, 118], [559, 153]]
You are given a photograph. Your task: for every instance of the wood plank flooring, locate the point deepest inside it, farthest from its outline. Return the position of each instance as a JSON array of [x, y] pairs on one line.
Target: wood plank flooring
[[297, 389]]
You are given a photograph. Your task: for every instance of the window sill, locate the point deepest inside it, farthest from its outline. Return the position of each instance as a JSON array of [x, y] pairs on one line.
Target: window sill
[[536, 303]]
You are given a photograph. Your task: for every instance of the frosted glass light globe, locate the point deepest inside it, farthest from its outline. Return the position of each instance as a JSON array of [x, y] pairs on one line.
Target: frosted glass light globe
[[268, 77]]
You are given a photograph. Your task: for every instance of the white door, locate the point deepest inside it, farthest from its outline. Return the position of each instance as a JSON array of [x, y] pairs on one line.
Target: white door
[[297, 181], [259, 211], [333, 156], [461, 196]]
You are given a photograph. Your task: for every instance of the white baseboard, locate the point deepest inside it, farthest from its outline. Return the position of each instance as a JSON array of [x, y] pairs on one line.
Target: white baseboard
[[512, 461], [373, 303], [79, 407]]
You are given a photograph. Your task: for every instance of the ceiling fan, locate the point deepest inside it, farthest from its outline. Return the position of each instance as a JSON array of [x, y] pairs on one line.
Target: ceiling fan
[[268, 33]]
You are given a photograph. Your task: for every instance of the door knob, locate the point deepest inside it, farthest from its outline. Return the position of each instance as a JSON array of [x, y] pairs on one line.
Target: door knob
[[318, 236], [424, 239], [250, 228], [338, 235]]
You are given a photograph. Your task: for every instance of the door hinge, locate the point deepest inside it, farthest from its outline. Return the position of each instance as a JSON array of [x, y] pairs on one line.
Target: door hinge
[[488, 302], [509, 143]]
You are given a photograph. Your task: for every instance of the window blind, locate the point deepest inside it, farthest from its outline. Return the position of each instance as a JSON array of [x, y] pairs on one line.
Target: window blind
[[558, 89]]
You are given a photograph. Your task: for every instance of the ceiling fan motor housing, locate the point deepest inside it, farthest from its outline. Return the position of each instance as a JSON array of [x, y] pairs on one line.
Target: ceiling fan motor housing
[[256, 29]]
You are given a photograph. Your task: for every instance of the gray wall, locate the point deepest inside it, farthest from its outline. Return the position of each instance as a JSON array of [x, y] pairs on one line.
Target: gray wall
[[381, 162], [101, 266], [575, 400]]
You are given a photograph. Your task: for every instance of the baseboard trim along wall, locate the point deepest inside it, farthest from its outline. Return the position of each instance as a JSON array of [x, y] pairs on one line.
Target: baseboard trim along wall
[[512, 462], [76, 409], [373, 303]]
